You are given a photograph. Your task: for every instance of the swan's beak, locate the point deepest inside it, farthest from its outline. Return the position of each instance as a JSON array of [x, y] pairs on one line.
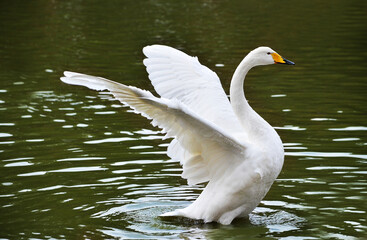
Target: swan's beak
[[278, 59]]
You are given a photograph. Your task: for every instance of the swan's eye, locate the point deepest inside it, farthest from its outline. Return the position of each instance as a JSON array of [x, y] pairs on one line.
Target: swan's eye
[[268, 53]]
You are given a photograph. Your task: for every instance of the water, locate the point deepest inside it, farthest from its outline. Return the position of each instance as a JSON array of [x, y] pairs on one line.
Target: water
[[75, 164]]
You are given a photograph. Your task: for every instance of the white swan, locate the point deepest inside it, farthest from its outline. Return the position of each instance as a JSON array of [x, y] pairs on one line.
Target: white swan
[[226, 144]]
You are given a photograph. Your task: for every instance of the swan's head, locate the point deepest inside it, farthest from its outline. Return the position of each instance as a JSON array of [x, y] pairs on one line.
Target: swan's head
[[266, 56]]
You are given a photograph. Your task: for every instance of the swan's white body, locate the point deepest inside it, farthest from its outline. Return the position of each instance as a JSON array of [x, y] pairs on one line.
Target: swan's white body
[[226, 144]]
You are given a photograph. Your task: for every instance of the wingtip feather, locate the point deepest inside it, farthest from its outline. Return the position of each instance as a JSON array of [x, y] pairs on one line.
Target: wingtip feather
[[66, 80]]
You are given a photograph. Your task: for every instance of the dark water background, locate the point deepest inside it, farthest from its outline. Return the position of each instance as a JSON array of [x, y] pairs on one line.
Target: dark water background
[[74, 164]]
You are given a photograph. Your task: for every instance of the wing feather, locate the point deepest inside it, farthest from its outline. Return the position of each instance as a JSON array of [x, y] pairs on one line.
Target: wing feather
[[176, 75], [205, 148]]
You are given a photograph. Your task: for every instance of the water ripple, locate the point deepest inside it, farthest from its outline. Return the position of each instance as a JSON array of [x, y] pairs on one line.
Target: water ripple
[[80, 159], [326, 154], [350, 128], [64, 170], [109, 140]]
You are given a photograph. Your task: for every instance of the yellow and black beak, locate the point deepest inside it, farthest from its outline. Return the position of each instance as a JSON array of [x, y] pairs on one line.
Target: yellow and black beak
[[278, 59]]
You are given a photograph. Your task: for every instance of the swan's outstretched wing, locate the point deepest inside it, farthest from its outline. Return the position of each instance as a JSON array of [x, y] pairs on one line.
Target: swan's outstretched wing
[[176, 75], [211, 149]]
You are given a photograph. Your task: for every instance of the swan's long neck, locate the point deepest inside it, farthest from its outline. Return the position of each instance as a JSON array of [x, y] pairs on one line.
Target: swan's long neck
[[237, 94], [254, 125]]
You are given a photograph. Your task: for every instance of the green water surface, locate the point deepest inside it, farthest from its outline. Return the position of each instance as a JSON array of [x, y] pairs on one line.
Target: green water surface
[[74, 164]]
